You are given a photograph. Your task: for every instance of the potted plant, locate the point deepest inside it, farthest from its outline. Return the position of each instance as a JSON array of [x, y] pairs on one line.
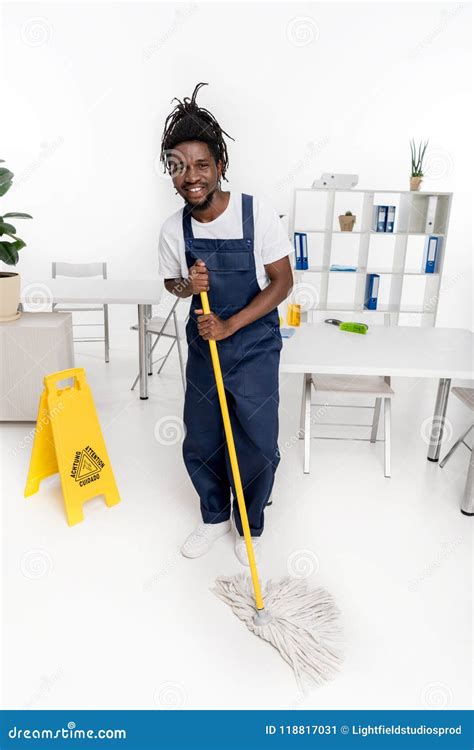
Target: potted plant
[[417, 164], [347, 221], [9, 282]]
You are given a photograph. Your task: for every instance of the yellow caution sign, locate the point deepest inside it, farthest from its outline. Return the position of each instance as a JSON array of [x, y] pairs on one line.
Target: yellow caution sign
[[68, 440]]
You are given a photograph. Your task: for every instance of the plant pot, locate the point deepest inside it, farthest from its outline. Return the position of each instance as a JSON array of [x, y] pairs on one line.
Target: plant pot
[[415, 183], [9, 296], [347, 223]]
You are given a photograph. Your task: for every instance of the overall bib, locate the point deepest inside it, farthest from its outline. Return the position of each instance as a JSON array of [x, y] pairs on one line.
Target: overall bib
[[249, 361]]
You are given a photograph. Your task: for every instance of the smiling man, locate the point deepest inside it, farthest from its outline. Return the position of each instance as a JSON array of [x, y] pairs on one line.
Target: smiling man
[[233, 246]]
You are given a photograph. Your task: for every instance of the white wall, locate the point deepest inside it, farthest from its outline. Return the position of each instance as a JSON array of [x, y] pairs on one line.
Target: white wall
[[302, 87]]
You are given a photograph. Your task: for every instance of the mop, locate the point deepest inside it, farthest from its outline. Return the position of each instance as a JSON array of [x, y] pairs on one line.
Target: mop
[[301, 624]]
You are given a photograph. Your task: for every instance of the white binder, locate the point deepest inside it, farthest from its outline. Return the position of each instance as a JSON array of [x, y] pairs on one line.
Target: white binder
[[431, 214]]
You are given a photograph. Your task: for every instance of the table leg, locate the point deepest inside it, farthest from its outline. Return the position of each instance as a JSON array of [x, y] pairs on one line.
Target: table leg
[[439, 417], [180, 353], [149, 342], [142, 352], [303, 409], [467, 505], [308, 382]]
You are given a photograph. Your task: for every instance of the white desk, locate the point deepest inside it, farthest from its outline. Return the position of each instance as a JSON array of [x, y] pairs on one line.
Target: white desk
[[111, 292], [402, 351]]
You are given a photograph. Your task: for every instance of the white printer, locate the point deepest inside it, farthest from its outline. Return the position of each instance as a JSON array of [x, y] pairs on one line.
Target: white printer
[[336, 181]]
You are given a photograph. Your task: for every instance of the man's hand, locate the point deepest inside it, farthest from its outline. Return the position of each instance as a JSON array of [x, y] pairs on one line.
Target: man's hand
[[198, 277], [212, 327]]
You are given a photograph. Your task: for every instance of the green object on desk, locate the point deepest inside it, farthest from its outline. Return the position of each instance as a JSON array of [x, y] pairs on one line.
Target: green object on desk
[[348, 326], [353, 327]]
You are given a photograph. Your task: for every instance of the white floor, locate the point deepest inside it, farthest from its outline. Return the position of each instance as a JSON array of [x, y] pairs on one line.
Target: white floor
[[107, 614]]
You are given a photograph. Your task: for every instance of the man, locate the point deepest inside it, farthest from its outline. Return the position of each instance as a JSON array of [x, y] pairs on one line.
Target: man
[[234, 247]]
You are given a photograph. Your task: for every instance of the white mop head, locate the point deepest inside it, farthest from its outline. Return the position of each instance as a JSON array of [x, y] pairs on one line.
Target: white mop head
[[303, 627]]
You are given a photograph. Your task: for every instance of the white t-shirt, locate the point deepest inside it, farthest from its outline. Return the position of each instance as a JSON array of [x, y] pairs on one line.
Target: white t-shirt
[[271, 242]]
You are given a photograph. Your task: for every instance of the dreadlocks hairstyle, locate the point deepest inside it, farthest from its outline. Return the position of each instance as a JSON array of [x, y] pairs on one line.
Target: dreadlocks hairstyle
[[188, 122]]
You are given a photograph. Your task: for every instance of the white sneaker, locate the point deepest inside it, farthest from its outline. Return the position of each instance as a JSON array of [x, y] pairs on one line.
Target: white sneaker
[[241, 549], [203, 537]]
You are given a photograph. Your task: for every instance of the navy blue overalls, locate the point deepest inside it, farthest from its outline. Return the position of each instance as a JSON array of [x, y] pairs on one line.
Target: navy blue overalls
[[249, 361]]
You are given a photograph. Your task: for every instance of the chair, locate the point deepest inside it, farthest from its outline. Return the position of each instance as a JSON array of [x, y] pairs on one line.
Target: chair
[[466, 395], [84, 270], [163, 326], [347, 384]]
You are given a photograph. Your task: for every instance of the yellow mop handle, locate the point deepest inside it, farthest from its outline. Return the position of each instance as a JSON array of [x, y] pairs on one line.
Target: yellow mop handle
[[233, 460]]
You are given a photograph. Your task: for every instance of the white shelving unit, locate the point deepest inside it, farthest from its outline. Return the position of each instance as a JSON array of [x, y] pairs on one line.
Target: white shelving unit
[[405, 290]]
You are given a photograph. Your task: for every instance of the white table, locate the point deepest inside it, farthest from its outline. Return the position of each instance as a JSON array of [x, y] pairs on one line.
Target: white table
[[34, 345], [106, 291], [402, 351]]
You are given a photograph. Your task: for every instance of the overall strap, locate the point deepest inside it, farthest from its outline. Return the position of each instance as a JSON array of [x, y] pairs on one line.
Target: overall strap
[[187, 226], [247, 217]]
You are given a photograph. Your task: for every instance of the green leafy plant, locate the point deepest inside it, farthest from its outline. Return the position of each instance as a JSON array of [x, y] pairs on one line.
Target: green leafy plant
[[9, 248], [417, 158], [348, 213]]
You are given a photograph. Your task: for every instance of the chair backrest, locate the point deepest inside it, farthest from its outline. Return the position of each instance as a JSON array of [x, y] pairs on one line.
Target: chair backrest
[[79, 270]]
